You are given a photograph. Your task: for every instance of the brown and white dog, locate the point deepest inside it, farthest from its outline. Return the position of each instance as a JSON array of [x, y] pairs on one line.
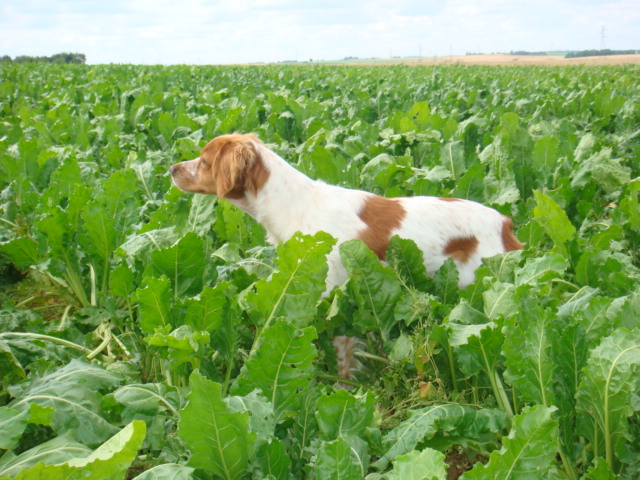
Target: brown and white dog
[[242, 170]]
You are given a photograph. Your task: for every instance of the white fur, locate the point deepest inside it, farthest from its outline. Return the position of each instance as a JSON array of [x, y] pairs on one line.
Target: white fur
[[290, 202]]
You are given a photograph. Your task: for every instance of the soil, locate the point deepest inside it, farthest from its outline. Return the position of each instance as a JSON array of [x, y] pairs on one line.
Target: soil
[[458, 463], [504, 60]]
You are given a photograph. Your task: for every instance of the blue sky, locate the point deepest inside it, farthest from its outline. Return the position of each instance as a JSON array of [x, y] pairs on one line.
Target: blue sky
[[243, 31]]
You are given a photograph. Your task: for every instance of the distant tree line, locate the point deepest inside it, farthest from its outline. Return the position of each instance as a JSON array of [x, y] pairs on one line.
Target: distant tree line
[[597, 53], [57, 58], [523, 52]]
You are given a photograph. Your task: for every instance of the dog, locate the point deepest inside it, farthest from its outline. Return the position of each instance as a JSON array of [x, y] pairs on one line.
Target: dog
[[243, 171]]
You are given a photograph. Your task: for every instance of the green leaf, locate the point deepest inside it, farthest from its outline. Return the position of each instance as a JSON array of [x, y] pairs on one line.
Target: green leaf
[[554, 220], [446, 282], [599, 470], [343, 414], [14, 423], [544, 158], [450, 420], [404, 256], [603, 399], [73, 391], [452, 158], [500, 301], [527, 352], [121, 281], [113, 458], [110, 460], [183, 264], [12, 426], [420, 114], [220, 441], [569, 351], [541, 269], [167, 471], [261, 419], [374, 287], [337, 460], [528, 453], [293, 290], [280, 367], [182, 345], [201, 215], [22, 251], [630, 204], [477, 347], [272, 460], [154, 303], [100, 231], [606, 171], [305, 427], [415, 465], [55, 451], [149, 399], [210, 309]]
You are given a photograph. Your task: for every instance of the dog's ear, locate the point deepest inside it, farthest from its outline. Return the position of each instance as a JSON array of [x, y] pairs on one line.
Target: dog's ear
[[235, 161]]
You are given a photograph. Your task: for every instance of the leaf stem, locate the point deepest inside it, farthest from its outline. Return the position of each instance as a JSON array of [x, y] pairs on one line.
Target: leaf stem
[[452, 369], [38, 336]]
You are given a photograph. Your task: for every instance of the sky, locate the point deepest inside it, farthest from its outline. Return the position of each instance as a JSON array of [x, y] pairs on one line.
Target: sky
[[248, 31]]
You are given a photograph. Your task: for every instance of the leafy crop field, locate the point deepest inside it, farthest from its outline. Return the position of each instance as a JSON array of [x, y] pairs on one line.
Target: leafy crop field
[[149, 334]]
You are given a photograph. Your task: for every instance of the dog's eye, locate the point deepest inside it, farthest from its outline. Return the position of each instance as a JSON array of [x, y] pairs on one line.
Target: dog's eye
[[203, 162]]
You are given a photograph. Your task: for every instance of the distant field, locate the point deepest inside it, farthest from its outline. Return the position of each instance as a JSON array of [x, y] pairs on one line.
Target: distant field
[[500, 59]]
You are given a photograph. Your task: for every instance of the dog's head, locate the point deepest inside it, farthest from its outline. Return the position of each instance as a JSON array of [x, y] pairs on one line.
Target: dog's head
[[228, 166]]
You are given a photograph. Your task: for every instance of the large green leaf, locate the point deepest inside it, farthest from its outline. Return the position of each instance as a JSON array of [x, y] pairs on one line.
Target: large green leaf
[[272, 460], [154, 303], [280, 367], [52, 452], [293, 290], [375, 288], [408, 261], [527, 352], [261, 419], [13, 423], [603, 399], [450, 420], [554, 220], [344, 414], [337, 460], [149, 399], [528, 453], [183, 264], [74, 392], [113, 458], [220, 441], [425, 465]]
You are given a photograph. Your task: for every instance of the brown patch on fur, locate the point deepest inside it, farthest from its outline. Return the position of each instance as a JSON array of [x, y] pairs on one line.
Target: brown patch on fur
[[461, 248], [232, 165], [449, 199], [382, 216], [509, 240], [346, 347]]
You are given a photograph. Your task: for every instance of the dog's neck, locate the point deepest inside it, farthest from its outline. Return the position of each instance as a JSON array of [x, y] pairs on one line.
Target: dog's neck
[[282, 204]]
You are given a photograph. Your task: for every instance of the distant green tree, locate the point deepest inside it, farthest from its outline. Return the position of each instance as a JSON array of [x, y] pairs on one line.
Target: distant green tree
[[79, 58]]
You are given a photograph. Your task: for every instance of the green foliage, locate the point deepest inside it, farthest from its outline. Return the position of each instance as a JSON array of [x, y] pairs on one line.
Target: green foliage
[[220, 441], [128, 307], [527, 452]]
